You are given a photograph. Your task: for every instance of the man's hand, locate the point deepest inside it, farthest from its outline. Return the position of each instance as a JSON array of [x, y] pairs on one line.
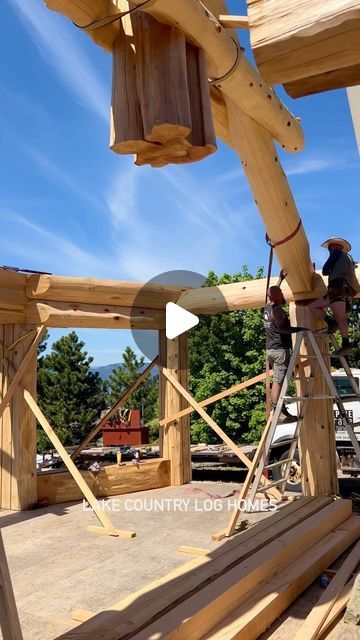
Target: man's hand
[[282, 275]]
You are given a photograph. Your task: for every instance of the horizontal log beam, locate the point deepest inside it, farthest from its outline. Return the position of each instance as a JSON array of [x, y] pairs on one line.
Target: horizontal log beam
[[223, 53], [105, 292], [12, 279], [249, 294], [67, 314]]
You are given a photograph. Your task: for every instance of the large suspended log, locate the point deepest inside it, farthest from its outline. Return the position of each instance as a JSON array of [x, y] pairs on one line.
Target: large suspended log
[[222, 51], [300, 41]]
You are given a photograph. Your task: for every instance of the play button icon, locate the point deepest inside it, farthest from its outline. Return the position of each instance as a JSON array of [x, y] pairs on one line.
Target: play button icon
[[178, 320]]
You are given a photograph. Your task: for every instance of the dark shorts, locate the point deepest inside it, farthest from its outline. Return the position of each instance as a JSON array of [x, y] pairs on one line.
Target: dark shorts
[[338, 290], [279, 362]]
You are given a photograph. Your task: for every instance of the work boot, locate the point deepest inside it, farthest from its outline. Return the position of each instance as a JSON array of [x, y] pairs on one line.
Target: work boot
[[286, 418], [346, 348]]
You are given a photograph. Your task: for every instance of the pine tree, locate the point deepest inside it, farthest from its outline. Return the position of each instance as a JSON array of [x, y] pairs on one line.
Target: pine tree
[[224, 350], [70, 394], [146, 395]]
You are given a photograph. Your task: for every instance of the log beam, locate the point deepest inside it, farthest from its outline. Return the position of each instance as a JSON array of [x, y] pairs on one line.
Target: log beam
[[68, 314], [175, 436], [249, 294], [295, 41], [17, 423], [223, 53], [99, 291]]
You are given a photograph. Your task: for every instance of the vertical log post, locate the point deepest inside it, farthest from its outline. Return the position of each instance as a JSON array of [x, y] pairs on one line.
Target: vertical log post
[[18, 485], [317, 436], [175, 436]]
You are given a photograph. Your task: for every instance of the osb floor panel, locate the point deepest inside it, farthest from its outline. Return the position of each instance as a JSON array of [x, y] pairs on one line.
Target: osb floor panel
[[57, 566]]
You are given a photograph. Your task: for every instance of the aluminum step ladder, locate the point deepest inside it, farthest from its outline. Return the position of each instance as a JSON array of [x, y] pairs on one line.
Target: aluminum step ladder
[[255, 481], [268, 445]]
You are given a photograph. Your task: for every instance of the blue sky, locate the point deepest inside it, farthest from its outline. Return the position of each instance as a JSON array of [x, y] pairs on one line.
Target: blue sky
[[71, 206]]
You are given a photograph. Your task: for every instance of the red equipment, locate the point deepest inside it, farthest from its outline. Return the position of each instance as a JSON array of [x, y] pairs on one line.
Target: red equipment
[[125, 428]]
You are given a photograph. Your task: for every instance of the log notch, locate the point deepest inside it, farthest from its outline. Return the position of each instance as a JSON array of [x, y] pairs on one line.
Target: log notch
[[17, 425], [175, 437], [307, 46], [317, 435]]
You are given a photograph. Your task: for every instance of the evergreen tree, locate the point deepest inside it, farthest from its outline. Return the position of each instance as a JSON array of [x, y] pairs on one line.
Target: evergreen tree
[[70, 394], [146, 395], [224, 350]]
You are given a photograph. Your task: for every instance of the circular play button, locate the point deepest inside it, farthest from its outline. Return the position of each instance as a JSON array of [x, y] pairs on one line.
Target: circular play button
[[161, 294]]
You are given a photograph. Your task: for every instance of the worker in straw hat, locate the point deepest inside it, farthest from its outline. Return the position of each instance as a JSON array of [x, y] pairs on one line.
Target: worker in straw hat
[[342, 285]]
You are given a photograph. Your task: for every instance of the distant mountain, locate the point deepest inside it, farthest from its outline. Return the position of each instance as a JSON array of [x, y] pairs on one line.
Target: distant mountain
[[106, 370]]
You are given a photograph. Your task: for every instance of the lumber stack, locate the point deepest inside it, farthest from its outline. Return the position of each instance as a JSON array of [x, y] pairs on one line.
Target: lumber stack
[[161, 107], [307, 46], [239, 589]]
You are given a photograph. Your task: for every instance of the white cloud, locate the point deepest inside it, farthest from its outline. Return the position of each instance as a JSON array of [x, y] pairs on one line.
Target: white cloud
[[59, 177], [120, 196], [304, 165], [60, 50], [49, 249]]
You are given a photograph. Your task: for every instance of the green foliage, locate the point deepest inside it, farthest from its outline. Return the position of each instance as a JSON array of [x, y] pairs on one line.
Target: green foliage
[[354, 333], [124, 376], [70, 394], [224, 350]]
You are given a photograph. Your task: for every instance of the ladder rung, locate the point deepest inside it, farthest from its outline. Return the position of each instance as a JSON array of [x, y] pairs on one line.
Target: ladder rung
[[301, 398], [266, 487], [278, 463], [304, 378], [282, 442]]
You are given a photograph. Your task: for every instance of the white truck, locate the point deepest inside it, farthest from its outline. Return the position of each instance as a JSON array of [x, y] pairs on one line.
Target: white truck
[[347, 460]]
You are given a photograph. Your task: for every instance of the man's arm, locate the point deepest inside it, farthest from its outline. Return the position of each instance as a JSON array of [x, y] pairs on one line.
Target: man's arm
[[280, 319], [331, 261]]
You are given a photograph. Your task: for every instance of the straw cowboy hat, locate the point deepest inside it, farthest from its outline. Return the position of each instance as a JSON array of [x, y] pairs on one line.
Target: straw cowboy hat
[[344, 243]]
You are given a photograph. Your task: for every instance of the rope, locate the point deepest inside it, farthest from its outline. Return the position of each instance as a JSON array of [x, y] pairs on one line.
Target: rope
[[272, 246], [104, 22], [14, 344], [233, 68]]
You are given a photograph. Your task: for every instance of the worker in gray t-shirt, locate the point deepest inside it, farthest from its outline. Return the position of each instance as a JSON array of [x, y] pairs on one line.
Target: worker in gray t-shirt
[[342, 286]]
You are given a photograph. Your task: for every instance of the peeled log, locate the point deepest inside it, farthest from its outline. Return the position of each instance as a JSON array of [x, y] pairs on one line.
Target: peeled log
[[67, 314], [103, 292], [272, 195], [249, 294], [84, 13], [295, 41]]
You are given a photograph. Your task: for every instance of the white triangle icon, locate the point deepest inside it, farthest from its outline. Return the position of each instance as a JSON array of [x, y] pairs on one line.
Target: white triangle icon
[[178, 320]]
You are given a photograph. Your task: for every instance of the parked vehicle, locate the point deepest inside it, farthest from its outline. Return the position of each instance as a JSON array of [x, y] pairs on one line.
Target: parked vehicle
[[346, 456]]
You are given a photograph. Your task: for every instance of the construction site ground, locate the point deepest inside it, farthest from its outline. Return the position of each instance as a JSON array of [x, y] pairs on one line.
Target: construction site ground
[[57, 566]]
